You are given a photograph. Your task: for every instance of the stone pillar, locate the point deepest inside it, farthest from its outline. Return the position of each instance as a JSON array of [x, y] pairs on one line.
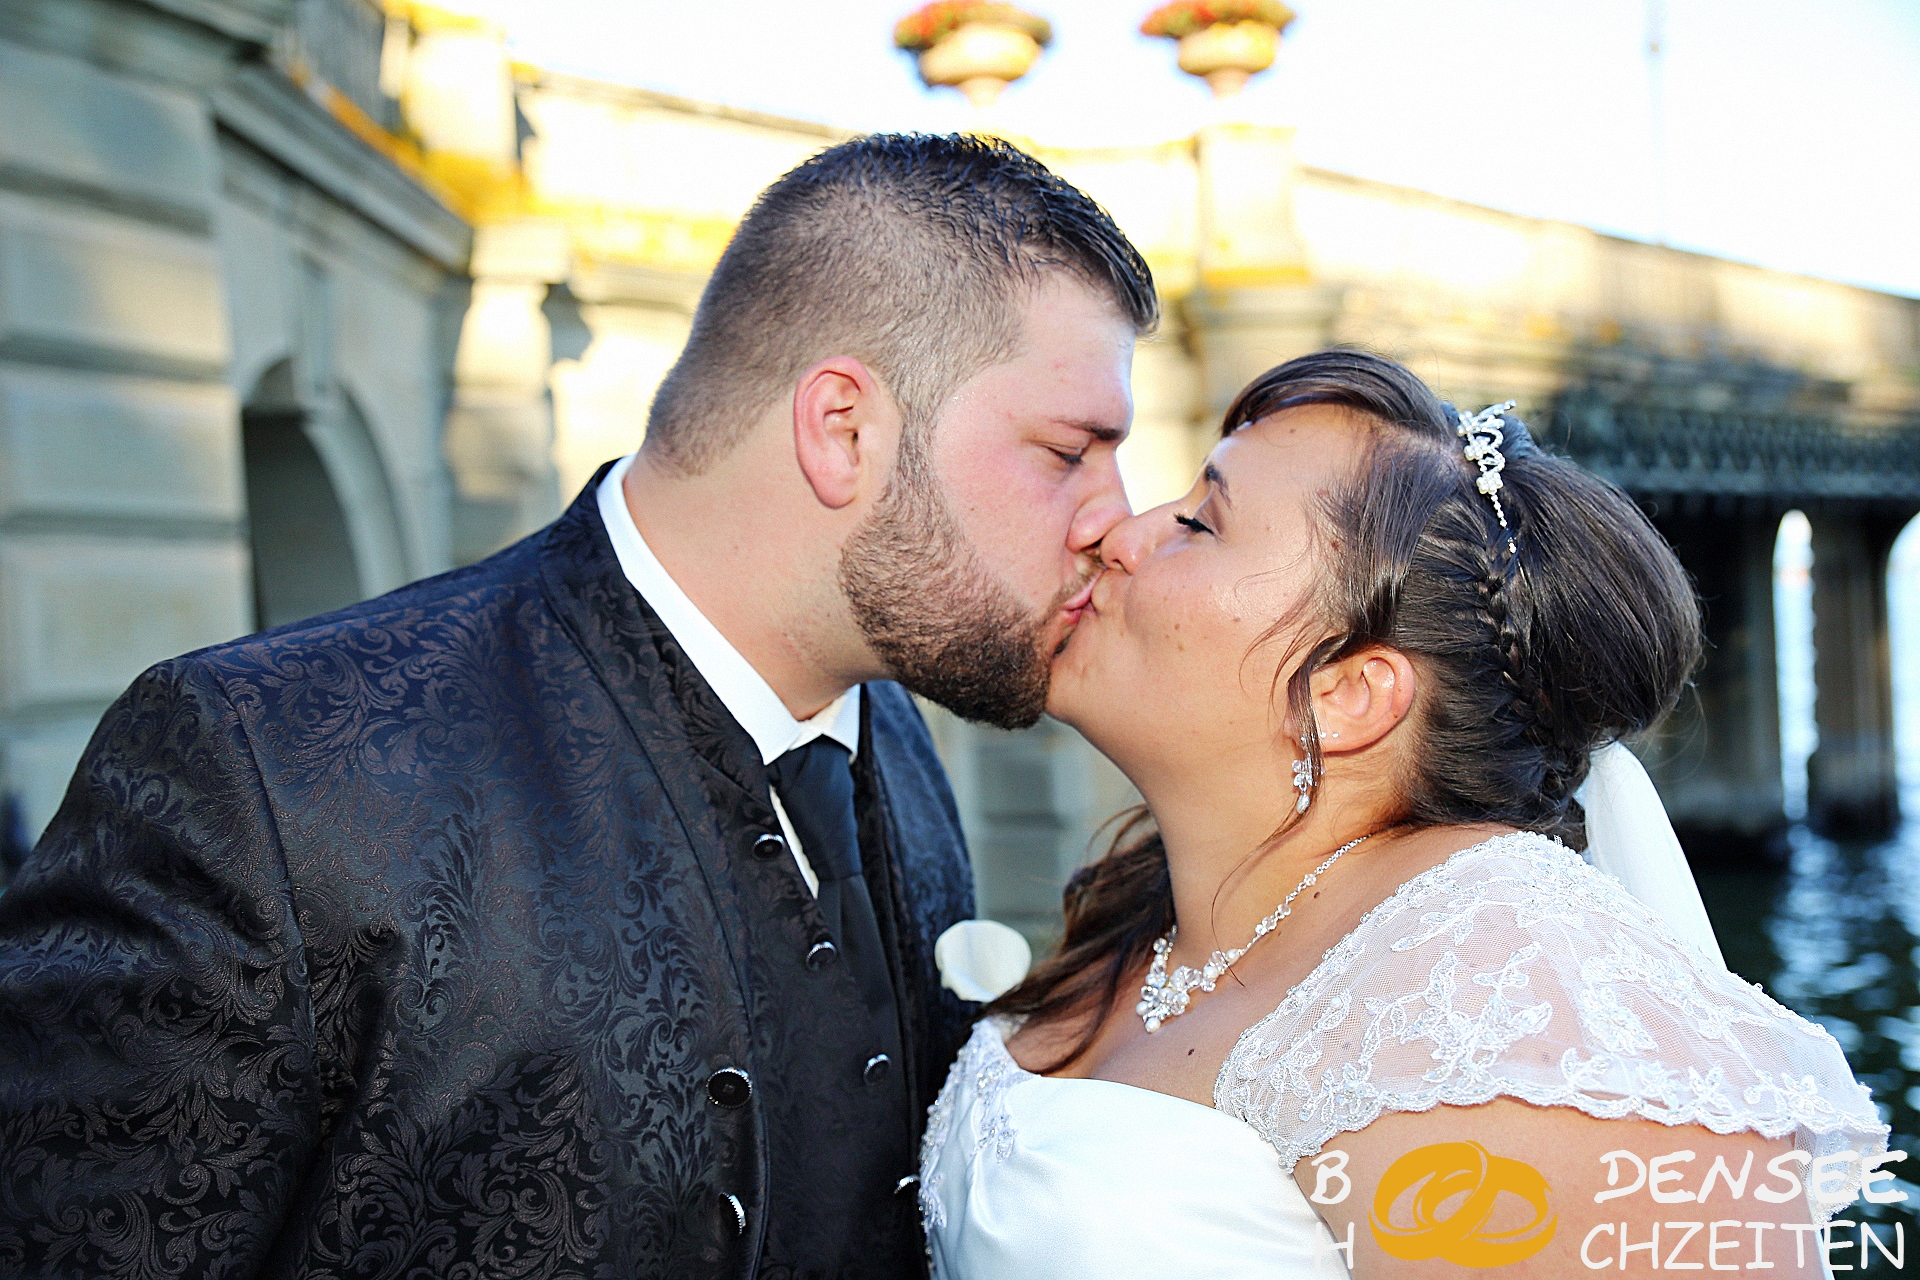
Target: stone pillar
[[500, 427], [1717, 760], [457, 98], [1033, 803], [1171, 433], [500, 432], [1256, 304], [1247, 233], [1239, 334], [1852, 785]]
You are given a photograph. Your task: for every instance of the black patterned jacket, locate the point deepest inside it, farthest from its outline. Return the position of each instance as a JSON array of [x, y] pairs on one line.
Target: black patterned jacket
[[409, 941]]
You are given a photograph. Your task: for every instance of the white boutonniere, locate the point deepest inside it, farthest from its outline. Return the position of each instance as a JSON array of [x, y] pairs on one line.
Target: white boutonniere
[[981, 959]]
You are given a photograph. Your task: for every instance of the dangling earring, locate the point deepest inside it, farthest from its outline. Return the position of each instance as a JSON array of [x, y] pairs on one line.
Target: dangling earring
[[1303, 779]]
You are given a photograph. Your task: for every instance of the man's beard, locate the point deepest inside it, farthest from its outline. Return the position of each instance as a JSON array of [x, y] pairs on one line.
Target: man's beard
[[934, 614]]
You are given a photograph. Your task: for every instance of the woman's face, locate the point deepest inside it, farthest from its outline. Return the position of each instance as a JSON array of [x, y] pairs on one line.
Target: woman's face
[[1162, 672]]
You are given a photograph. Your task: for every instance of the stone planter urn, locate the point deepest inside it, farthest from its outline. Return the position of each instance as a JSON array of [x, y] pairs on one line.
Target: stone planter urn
[[1224, 42], [976, 47]]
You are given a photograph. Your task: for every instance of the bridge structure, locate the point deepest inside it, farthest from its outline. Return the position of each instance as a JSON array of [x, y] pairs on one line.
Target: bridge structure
[[345, 258], [1717, 483]]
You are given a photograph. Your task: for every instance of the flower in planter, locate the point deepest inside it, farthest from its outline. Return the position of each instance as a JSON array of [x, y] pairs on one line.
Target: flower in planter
[[1222, 41], [928, 25], [974, 46], [1183, 18]]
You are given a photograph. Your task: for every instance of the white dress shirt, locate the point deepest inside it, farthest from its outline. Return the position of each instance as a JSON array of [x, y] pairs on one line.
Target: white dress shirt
[[743, 691]]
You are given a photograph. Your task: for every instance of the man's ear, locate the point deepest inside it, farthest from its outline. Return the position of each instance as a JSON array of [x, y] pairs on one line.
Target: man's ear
[[1358, 700], [844, 426]]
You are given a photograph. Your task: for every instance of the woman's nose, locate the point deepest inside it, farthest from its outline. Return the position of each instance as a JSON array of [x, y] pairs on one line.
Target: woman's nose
[[1133, 539]]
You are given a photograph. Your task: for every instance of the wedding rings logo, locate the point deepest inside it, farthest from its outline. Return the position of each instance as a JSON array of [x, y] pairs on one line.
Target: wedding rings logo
[[1437, 1174]]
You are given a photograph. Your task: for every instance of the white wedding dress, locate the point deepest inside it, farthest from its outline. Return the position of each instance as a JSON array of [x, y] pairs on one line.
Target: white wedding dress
[[1513, 969]]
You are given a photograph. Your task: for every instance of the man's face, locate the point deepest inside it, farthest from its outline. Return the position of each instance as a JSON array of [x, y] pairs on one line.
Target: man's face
[[974, 568]]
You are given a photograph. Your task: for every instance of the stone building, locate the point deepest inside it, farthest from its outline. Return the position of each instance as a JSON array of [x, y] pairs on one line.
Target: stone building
[[300, 299], [225, 325]]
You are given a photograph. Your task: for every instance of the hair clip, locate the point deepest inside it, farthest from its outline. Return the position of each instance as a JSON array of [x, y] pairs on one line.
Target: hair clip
[[1484, 438]]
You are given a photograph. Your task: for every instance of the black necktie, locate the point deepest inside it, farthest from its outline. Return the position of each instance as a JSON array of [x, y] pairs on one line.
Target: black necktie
[[815, 783]]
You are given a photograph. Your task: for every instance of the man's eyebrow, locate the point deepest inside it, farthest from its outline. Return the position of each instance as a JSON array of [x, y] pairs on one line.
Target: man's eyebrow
[[1218, 481], [1098, 430]]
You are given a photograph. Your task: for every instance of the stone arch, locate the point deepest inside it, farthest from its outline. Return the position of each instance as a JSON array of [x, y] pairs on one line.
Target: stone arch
[[347, 446], [303, 555]]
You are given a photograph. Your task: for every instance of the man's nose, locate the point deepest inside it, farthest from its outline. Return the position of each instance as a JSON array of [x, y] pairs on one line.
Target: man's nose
[[1133, 539], [1102, 509]]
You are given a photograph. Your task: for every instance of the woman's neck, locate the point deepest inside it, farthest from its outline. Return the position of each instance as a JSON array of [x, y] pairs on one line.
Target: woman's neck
[[1228, 868]]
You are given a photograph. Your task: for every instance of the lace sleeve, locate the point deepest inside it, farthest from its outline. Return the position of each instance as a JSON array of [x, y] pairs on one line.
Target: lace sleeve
[[1516, 970]]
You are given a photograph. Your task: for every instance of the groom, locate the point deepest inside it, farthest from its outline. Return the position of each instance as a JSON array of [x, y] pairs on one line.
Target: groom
[[572, 914]]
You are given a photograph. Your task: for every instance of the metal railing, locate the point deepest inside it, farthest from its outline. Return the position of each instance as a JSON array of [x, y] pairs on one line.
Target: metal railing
[[1650, 448]]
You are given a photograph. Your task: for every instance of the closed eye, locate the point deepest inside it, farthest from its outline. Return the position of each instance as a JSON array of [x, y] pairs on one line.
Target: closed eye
[[1188, 522]]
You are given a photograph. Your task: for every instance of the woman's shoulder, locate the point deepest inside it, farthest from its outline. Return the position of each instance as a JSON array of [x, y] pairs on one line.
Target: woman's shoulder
[[1515, 969]]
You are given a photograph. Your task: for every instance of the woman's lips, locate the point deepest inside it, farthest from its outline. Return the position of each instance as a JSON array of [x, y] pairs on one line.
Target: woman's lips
[[1078, 603]]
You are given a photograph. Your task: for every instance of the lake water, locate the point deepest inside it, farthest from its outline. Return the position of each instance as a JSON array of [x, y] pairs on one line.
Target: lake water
[[1834, 936], [1836, 933]]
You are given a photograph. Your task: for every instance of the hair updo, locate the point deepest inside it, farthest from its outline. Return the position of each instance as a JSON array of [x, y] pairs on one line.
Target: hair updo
[[1584, 633]]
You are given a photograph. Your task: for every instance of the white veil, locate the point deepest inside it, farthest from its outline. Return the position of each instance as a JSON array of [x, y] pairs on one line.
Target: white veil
[[1630, 838]]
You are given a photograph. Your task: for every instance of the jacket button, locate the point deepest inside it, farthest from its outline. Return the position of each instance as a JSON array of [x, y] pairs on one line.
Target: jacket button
[[769, 845], [729, 1087], [821, 954], [876, 1069]]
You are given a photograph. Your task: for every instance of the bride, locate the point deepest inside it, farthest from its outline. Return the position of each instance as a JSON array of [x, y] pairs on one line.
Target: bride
[[1347, 1001]]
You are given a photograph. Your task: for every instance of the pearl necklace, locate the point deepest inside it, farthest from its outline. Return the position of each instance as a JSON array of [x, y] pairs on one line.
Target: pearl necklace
[[1167, 996]]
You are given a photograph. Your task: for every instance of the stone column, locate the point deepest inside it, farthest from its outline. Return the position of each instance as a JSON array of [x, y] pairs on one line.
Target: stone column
[[1256, 304], [1852, 786], [500, 431], [459, 99], [1033, 804], [1717, 760], [1247, 178]]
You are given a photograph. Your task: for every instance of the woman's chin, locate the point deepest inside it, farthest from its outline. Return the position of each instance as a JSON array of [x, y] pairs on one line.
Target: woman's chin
[[1067, 686], [1078, 691]]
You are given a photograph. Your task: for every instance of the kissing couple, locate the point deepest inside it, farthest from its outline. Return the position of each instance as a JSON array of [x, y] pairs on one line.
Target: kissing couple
[[574, 914]]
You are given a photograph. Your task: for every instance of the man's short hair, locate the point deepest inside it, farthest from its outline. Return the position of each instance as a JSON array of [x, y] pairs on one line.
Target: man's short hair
[[909, 252]]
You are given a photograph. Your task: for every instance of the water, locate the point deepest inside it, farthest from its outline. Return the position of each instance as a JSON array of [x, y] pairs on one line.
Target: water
[[1835, 935]]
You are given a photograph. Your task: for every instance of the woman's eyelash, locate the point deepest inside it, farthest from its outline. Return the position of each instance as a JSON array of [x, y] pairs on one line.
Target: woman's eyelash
[[1190, 523]]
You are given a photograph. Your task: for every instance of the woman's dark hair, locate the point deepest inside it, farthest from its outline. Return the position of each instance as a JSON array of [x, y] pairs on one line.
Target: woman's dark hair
[[1584, 633]]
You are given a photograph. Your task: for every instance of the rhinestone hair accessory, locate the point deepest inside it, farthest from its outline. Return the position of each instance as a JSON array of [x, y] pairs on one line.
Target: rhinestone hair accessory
[[1484, 437]]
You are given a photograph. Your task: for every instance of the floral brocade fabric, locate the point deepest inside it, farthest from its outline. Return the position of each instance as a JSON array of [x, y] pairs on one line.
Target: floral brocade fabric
[[1516, 970], [405, 944]]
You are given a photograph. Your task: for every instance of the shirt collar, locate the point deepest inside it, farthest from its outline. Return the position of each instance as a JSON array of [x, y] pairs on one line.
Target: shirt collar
[[743, 691]]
